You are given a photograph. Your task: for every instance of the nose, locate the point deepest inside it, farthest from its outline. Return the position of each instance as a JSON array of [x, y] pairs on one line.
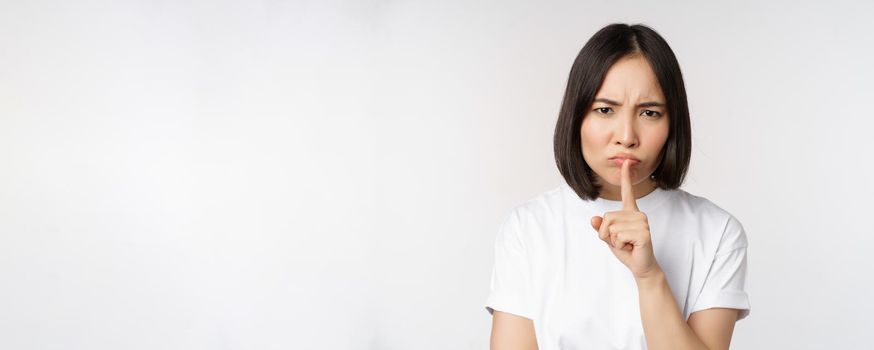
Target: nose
[[625, 132]]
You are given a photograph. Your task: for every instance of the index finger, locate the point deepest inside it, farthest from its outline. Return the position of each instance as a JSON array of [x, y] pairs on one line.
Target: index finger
[[628, 201]]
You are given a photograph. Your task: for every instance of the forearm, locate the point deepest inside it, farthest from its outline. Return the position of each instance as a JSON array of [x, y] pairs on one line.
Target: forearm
[[663, 323]]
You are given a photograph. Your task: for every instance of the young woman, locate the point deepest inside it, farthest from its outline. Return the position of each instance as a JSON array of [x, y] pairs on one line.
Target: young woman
[[619, 257]]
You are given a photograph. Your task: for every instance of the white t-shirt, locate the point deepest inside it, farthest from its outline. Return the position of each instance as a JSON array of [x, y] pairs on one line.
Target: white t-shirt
[[551, 267]]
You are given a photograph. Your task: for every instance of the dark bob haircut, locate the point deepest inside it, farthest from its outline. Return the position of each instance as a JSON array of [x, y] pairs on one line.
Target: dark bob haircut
[[607, 46]]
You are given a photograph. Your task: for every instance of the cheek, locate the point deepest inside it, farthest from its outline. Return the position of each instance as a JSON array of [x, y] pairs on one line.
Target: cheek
[[592, 134], [592, 139], [657, 141]]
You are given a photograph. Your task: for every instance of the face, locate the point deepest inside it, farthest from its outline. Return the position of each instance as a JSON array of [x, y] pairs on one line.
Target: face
[[628, 118]]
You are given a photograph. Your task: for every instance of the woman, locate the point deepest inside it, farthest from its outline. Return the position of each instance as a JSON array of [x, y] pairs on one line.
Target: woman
[[619, 257]]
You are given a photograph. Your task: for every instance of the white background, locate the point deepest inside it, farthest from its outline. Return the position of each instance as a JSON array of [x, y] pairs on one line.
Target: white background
[[331, 175]]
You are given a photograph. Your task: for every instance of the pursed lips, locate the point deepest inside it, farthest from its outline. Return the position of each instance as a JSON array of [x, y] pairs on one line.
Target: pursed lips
[[618, 160]]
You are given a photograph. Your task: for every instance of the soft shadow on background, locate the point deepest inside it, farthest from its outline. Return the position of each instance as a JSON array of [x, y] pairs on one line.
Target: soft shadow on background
[[331, 175]]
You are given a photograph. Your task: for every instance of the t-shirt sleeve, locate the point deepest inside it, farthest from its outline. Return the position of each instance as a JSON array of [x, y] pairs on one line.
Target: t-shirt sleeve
[[510, 281], [724, 286]]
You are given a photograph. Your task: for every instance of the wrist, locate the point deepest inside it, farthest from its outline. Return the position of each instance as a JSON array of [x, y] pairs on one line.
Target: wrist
[[651, 278]]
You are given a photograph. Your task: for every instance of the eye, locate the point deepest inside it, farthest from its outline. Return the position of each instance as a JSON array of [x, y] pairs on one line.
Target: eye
[[603, 110], [650, 113]]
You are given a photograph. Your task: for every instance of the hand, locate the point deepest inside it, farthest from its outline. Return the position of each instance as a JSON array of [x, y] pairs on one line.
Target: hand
[[626, 232]]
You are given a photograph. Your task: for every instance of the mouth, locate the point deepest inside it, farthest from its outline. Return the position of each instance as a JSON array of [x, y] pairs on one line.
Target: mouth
[[619, 160]]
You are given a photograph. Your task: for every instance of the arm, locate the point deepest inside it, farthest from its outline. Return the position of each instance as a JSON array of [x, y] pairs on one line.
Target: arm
[[663, 324], [512, 332]]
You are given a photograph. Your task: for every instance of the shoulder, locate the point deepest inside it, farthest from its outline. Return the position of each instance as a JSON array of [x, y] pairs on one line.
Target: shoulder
[[712, 217], [532, 217], [700, 207], [543, 206]]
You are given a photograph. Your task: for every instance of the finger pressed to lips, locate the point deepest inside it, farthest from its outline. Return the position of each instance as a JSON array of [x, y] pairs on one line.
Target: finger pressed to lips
[[608, 226], [627, 190]]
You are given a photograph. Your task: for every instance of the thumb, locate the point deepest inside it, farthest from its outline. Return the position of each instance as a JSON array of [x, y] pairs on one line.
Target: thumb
[[596, 222]]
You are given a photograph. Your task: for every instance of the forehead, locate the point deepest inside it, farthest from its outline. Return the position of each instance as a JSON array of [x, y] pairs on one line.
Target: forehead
[[630, 77]]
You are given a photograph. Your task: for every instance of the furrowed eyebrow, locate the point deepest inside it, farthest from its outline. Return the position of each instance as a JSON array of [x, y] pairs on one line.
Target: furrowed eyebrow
[[645, 104]]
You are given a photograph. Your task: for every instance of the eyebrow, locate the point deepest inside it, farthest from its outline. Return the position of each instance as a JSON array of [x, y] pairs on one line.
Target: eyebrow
[[645, 104]]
